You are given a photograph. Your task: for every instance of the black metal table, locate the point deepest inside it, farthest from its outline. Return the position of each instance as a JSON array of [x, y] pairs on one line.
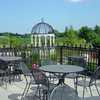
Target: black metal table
[[10, 58], [9, 62], [62, 70]]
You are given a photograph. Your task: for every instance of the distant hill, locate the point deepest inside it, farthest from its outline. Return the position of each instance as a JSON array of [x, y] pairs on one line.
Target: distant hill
[[14, 34], [14, 39]]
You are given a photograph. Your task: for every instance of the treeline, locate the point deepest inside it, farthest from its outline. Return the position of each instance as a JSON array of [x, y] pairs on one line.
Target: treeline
[[84, 35], [14, 34], [9, 39]]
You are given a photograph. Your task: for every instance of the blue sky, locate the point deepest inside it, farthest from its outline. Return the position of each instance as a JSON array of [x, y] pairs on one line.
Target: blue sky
[[19, 16]]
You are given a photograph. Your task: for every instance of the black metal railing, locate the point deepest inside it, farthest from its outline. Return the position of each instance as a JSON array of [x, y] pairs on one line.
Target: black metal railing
[[58, 54]]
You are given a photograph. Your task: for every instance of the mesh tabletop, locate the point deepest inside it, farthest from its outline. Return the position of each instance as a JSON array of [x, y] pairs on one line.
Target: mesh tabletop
[[9, 58], [62, 68]]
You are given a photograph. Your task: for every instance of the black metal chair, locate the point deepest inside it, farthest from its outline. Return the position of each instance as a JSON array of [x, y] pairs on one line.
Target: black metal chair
[[80, 61], [8, 72], [36, 77], [52, 77], [3, 72], [27, 74], [11, 72], [88, 83], [41, 79]]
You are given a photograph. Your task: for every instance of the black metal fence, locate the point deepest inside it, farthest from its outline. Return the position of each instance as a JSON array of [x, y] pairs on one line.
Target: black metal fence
[[58, 54]]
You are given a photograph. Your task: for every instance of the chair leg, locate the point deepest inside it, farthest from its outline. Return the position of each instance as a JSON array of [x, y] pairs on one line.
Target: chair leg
[[97, 89], [24, 89], [90, 90], [37, 90], [86, 89], [83, 91], [28, 87], [44, 94], [75, 84]]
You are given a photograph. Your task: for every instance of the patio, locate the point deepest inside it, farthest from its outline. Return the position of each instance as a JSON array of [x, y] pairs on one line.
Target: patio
[[14, 90]]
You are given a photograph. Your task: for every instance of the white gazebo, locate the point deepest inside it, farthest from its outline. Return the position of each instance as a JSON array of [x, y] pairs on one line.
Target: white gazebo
[[42, 35]]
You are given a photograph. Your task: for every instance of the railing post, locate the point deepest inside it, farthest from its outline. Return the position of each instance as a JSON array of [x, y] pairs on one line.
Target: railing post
[[61, 55], [99, 56]]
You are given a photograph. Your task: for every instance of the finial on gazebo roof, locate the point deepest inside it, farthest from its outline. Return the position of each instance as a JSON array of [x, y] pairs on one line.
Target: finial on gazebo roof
[[42, 19]]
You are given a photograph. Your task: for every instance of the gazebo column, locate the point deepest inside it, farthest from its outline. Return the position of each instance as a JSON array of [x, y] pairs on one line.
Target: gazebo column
[[35, 40], [32, 39], [45, 40], [39, 40], [50, 41], [53, 40]]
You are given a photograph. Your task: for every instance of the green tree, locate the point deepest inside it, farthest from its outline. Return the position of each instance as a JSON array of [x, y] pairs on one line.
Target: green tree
[[87, 33], [71, 33], [97, 29]]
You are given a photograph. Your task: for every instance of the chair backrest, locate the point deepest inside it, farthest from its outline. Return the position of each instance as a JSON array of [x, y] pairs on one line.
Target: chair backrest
[[95, 75], [77, 61], [40, 77], [24, 68], [3, 65]]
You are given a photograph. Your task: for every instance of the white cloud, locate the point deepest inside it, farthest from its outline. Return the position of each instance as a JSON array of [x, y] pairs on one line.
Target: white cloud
[[75, 0]]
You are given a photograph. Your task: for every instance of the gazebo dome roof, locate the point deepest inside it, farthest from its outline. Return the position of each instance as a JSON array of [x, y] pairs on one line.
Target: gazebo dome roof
[[42, 28]]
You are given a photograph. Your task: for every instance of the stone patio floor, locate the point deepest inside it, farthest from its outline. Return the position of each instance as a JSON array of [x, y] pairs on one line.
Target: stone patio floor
[[14, 90]]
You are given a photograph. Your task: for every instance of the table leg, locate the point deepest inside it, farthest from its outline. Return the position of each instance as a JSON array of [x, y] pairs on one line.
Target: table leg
[[62, 79], [76, 85]]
